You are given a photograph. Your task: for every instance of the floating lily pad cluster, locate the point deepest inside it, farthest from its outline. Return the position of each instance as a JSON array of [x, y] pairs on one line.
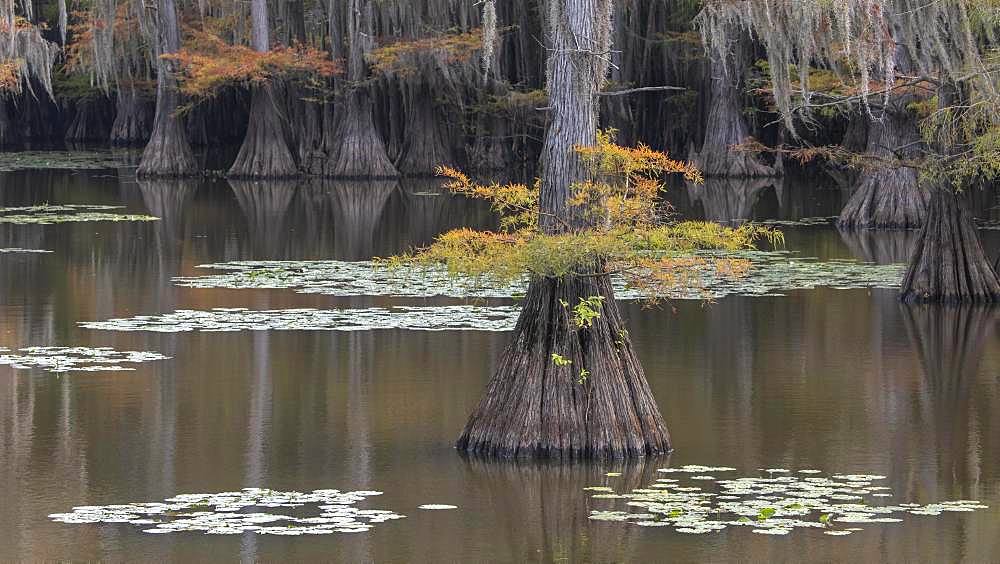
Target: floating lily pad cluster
[[251, 510], [444, 318], [75, 359], [825, 221], [772, 272], [17, 250], [694, 501], [49, 214], [59, 160]]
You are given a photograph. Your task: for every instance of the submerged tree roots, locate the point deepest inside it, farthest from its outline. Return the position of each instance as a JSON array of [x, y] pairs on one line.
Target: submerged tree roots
[[565, 391]]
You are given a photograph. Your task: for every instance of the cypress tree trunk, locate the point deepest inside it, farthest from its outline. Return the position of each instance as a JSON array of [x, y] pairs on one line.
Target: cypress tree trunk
[[265, 152], [726, 125], [425, 143], [92, 120], [8, 133], [532, 406], [168, 152], [361, 152], [888, 198], [948, 264], [133, 119]]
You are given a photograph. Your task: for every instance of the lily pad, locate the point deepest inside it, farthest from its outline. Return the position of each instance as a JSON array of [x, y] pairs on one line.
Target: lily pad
[[444, 318], [75, 359], [229, 513]]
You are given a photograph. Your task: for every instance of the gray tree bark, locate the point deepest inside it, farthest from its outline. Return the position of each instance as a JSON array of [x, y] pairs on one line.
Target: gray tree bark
[[532, 406], [265, 152], [168, 153]]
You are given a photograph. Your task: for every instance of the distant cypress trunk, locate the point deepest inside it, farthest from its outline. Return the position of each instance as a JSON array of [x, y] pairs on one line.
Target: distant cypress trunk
[[726, 127], [168, 153], [265, 152], [8, 133], [534, 407], [426, 144], [948, 264], [360, 152], [133, 118], [888, 197], [92, 119]]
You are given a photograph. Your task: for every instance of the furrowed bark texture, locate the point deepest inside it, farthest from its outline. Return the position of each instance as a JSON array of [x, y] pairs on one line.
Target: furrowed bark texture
[[534, 407], [361, 151], [426, 145], [726, 127], [265, 152], [168, 153], [948, 264], [133, 119], [91, 121], [888, 198]]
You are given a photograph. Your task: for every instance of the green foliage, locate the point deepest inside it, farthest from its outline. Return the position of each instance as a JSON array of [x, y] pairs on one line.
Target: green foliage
[[585, 312], [825, 518], [766, 513], [560, 360], [615, 224], [584, 374]]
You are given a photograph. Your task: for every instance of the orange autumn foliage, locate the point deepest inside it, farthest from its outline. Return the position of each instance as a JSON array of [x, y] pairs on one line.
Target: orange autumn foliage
[[207, 64], [401, 56]]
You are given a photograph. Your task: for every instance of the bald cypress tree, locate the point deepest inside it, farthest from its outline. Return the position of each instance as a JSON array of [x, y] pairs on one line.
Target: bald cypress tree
[[533, 406], [265, 152], [937, 41], [168, 153]]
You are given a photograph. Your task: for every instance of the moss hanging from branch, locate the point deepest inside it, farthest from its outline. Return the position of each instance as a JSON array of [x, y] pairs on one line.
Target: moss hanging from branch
[[24, 54]]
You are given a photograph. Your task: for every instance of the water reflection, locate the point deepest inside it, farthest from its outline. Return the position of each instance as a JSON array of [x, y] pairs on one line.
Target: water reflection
[[549, 516], [838, 380], [265, 207], [880, 247], [730, 200]]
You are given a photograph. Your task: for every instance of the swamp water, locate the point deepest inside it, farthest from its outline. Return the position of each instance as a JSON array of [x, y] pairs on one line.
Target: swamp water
[[255, 408]]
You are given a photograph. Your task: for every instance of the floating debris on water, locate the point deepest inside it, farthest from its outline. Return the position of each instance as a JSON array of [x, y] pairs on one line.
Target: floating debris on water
[[16, 250], [824, 221], [774, 504], [696, 469], [49, 214], [444, 318], [75, 359], [771, 273], [437, 506], [224, 513], [58, 160]]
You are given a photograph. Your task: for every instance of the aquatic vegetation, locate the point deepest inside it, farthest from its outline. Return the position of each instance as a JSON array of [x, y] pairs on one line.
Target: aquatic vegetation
[[48, 214], [225, 513], [61, 160], [444, 318], [75, 359], [827, 221], [771, 273], [16, 250], [773, 504]]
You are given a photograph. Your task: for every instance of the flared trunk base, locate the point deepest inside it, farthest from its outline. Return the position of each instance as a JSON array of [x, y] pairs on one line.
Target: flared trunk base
[[562, 391], [948, 264]]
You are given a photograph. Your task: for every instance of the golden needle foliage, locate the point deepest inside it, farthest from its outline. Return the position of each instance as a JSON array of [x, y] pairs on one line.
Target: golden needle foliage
[[623, 228]]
